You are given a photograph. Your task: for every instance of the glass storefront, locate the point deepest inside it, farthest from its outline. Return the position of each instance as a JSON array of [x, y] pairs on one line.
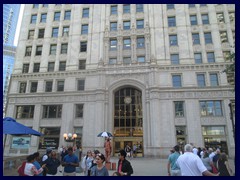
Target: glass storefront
[[128, 129], [50, 139]]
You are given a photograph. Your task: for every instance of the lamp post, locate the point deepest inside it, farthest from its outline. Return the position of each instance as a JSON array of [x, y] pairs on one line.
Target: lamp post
[[69, 137], [231, 117]]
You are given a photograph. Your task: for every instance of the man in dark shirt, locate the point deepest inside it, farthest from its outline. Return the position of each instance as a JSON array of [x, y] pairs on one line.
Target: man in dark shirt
[[52, 164], [124, 166]]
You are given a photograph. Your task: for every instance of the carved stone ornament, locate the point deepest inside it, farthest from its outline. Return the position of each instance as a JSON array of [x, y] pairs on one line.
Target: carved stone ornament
[[127, 100]]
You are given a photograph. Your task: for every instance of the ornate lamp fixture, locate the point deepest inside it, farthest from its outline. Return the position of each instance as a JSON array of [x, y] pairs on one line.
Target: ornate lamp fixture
[[69, 137]]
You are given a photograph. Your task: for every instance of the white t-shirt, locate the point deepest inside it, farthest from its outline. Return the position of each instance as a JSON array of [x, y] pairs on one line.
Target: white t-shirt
[[190, 164]]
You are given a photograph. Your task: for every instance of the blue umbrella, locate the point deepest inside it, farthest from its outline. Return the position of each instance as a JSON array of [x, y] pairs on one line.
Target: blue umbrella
[[105, 134], [10, 126]]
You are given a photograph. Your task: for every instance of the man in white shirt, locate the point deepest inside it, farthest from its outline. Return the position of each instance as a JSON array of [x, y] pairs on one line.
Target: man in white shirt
[[191, 165]]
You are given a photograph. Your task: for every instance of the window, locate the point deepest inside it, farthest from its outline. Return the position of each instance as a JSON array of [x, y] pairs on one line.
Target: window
[[126, 8], [52, 111], [113, 10], [113, 44], [126, 25], [220, 18], [79, 110], [64, 48], [113, 61], [81, 84], [22, 87], [45, 5], [51, 66], [170, 6], [41, 33], [39, 51], [174, 59], [213, 79], [171, 21], [25, 68], [223, 36], [173, 40], [113, 26], [82, 64], [84, 29], [36, 67], [140, 24], [126, 60], [53, 49], [65, 31], [195, 38], [62, 66], [211, 108], [191, 5], [176, 80], [179, 108], [35, 6], [193, 20], [24, 112], [33, 87], [198, 58], [55, 32], [57, 16], [139, 7], [208, 38], [141, 59], [67, 15], [127, 43], [205, 19], [202, 5], [201, 80], [83, 46], [31, 34], [211, 57], [48, 86], [85, 13], [140, 42], [60, 85], [34, 19], [43, 18], [28, 51]]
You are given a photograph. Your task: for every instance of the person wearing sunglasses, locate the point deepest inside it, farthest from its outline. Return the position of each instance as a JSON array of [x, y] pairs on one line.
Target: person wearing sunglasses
[[99, 169], [124, 166]]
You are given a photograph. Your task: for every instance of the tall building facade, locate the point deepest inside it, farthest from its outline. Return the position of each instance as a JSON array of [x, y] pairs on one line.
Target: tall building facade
[[10, 19], [151, 74]]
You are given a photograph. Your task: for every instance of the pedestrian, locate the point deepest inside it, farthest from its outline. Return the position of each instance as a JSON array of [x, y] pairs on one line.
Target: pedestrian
[[44, 158], [207, 162], [94, 161], [87, 163], [30, 169], [128, 150], [124, 166], [134, 150], [99, 169], [223, 166], [191, 165], [70, 162], [37, 162], [52, 164], [108, 149], [173, 169]]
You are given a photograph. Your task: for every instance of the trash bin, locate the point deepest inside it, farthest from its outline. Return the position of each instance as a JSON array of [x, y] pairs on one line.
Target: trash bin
[[113, 166]]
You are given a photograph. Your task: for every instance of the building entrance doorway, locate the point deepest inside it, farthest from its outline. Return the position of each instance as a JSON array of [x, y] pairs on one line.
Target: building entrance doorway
[[128, 129]]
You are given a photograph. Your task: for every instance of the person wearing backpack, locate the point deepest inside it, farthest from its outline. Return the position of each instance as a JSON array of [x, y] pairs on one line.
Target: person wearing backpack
[[44, 158], [30, 169]]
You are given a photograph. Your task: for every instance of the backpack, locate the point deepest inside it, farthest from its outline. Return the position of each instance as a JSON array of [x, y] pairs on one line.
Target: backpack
[[21, 169]]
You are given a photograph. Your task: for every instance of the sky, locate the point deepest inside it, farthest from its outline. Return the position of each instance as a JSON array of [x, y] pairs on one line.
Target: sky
[[18, 25]]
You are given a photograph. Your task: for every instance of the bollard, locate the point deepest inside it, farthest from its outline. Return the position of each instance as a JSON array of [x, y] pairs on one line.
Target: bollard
[[113, 166], [108, 165]]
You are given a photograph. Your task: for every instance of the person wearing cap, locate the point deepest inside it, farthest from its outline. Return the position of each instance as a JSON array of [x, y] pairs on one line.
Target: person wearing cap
[[175, 171], [124, 166], [70, 162]]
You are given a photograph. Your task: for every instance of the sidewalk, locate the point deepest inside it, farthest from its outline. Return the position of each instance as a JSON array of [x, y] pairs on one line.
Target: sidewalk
[[148, 167]]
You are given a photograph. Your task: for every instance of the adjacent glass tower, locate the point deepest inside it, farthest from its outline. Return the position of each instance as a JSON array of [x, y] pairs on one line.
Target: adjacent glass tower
[[10, 20]]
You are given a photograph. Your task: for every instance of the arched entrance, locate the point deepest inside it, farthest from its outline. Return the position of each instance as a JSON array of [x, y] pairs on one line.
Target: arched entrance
[[128, 120]]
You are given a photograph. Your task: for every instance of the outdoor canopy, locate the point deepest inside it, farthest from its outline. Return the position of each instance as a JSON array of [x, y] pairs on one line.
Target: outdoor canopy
[[10, 126]]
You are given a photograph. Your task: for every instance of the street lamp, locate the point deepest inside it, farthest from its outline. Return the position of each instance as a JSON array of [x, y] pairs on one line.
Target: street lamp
[[69, 137]]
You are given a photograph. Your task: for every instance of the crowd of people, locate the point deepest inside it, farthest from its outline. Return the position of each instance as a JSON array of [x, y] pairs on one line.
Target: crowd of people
[[197, 162]]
